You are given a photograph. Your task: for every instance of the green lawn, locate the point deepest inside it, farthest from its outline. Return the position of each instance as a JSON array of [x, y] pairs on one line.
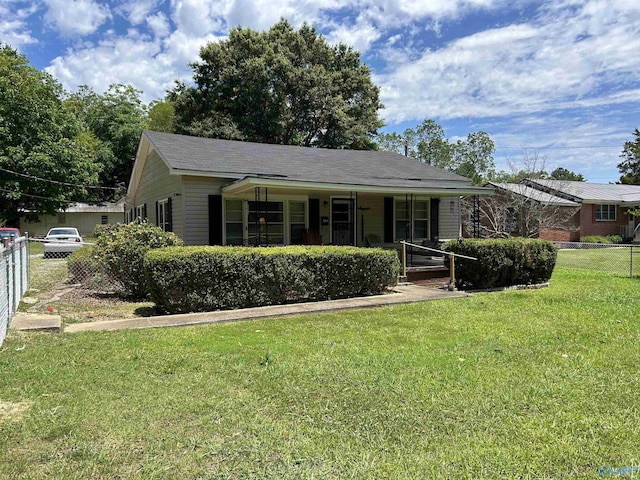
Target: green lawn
[[615, 260], [520, 384]]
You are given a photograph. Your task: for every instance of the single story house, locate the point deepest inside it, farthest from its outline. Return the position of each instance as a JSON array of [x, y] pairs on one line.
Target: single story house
[[83, 216], [518, 209], [223, 192], [604, 207]]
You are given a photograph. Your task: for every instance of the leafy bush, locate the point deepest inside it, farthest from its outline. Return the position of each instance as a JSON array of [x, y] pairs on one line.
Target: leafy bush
[[614, 239], [502, 262], [594, 239], [121, 248], [193, 279]]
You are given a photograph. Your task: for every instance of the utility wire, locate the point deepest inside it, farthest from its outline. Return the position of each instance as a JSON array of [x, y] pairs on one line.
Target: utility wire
[[29, 195], [55, 181]]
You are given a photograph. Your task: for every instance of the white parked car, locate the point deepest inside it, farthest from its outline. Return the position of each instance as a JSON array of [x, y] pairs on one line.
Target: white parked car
[[61, 241]]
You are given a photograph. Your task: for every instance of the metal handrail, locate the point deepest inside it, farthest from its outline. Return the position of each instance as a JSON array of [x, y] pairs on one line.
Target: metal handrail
[[439, 251], [452, 269]]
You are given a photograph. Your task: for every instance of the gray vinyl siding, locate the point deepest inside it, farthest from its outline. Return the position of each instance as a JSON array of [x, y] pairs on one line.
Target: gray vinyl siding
[[449, 221], [373, 218], [196, 191], [156, 184]]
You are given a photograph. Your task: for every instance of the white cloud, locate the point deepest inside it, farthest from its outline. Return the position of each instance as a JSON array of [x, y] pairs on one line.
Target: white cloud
[[544, 64], [14, 29], [159, 24], [137, 11], [76, 17]]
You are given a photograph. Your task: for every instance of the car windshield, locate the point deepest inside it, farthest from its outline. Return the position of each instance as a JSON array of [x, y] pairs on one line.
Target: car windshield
[[8, 233], [62, 231]]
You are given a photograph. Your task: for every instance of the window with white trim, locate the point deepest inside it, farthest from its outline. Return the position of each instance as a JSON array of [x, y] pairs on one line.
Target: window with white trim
[[297, 222], [164, 221], [140, 212], [265, 223], [234, 222], [606, 213], [411, 220]]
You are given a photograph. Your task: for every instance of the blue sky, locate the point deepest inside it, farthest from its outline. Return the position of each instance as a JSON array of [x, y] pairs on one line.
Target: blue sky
[[559, 80]]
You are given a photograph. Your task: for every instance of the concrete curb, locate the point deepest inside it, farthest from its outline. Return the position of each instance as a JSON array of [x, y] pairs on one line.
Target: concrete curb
[[36, 323], [401, 294]]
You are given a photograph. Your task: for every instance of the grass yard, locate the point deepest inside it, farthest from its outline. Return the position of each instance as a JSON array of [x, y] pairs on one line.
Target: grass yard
[[521, 384], [616, 260]]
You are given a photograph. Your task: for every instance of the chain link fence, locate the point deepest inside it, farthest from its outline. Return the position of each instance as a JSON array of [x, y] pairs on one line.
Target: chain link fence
[[14, 279], [614, 258], [74, 263]]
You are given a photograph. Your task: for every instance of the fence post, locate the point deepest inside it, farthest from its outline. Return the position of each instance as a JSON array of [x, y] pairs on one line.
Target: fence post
[[631, 261]]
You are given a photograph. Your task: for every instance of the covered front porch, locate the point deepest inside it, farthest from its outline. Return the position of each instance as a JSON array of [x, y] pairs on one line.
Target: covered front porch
[[266, 211]]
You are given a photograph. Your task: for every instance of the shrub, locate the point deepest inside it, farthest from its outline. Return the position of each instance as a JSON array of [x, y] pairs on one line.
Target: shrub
[[594, 239], [502, 262], [121, 248], [614, 239], [193, 279]]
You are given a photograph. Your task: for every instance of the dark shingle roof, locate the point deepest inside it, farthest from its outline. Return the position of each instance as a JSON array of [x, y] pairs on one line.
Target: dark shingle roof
[[357, 167]]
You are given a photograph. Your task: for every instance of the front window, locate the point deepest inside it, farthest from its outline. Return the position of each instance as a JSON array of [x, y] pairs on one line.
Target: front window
[[412, 219], [265, 223], [605, 213], [297, 222], [233, 222], [164, 221]]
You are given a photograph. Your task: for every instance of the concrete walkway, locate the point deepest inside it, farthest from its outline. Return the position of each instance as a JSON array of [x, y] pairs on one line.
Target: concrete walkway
[[35, 322], [407, 293]]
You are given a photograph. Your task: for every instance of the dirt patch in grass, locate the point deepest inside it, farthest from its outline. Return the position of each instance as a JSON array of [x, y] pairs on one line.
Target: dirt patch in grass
[[82, 305], [12, 411]]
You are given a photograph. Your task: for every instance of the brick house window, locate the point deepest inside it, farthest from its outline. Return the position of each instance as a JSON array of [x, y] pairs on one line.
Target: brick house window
[[606, 213]]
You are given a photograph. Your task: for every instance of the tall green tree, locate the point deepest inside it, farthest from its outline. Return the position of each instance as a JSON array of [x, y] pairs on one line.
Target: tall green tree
[[630, 165], [115, 118], [472, 157], [562, 173], [161, 116], [282, 86], [46, 159]]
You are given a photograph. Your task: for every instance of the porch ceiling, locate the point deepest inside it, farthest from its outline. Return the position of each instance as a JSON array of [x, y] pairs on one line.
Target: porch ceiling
[[442, 188]]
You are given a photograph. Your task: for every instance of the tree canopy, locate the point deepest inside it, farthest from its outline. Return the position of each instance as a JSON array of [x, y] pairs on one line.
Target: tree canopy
[[630, 165], [46, 159], [282, 86], [562, 173], [116, 119], [472, 157]]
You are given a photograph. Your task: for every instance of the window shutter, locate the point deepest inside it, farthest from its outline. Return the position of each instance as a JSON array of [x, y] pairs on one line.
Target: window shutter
[[434, 220], [388, 219], [157, 214], [144, 212], [215, 219], [169, 215], [314, 214]]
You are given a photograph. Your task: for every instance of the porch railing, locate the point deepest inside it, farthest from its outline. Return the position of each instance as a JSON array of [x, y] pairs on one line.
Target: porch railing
[[452, 269]]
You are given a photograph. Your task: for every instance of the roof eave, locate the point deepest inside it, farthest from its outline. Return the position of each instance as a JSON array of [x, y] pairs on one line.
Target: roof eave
[[249, 183]]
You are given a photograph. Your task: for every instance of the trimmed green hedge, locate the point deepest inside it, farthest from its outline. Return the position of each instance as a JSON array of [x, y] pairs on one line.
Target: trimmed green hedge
[[502, 262], [197, 279]]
